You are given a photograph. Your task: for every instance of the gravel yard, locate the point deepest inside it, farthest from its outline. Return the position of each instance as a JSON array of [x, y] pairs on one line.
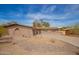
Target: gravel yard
[[44, 44]]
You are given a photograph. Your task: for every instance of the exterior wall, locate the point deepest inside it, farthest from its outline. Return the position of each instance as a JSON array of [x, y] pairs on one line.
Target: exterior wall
[[20, 31], [66, 32], [63, 32]]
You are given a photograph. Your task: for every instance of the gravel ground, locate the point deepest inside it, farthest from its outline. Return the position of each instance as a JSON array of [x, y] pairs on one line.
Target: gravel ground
[[44, 44]]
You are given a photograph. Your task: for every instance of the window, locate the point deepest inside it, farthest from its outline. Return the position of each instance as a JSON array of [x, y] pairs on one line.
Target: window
[[16, 29]]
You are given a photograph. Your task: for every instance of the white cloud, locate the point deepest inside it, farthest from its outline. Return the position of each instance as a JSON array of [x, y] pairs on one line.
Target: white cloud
[[46, 13], [38, 16], [47, 9]]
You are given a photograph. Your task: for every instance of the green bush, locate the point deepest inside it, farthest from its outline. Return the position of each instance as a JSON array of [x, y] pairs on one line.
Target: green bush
[[75, 28], [3, 31]]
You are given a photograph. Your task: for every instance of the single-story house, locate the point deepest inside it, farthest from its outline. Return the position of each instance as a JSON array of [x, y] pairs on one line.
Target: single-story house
[[28, 31], [19, 30]]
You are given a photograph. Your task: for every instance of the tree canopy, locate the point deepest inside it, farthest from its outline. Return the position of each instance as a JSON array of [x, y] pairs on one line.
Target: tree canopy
[[40, 23]]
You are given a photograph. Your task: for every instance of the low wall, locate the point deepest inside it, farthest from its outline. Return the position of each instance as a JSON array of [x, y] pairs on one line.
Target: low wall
[[5, 39], [66, 32]]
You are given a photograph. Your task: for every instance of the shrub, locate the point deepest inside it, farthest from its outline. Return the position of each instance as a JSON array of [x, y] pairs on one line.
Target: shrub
[[75, 28], [3, 31]]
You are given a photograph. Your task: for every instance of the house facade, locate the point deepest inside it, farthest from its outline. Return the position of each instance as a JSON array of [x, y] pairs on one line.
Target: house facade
[[19, 30], [26, 31]]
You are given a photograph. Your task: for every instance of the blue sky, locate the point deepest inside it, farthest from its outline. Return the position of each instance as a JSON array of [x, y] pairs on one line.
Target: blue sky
[[57, 15]]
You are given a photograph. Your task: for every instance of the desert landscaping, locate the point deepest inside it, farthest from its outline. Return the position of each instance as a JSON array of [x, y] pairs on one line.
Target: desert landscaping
[[39, 29], [23, 42]]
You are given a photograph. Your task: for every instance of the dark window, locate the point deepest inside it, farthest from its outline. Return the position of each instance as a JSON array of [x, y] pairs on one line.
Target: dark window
[[16, 29]]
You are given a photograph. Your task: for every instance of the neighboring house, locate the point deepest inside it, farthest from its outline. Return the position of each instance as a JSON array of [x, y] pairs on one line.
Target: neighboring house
[[67, 31]]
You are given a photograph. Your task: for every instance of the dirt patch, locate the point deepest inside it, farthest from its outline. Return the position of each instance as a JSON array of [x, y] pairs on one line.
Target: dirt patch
[[38, 45]]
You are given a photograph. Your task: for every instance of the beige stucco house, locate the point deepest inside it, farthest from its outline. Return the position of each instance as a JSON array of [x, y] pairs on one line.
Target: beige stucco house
[[27, 31], [19, 30]]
